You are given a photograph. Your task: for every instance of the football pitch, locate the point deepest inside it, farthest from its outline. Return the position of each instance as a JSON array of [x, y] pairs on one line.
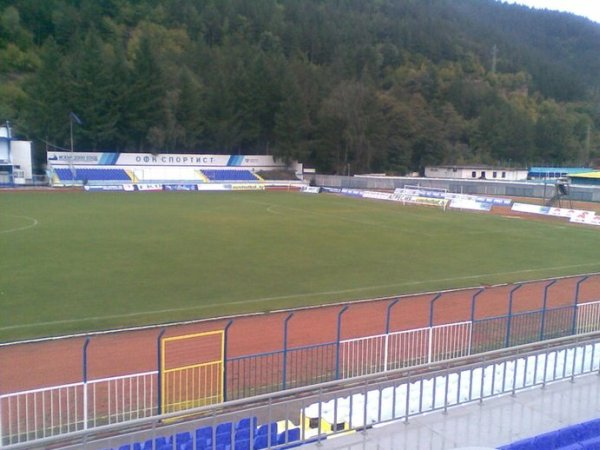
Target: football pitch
[[76, 261]]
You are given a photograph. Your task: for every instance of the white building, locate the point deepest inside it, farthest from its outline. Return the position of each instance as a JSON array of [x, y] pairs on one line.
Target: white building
[[15, 159], [477, 172]]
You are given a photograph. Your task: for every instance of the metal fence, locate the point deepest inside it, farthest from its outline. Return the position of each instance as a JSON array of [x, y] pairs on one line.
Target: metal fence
[[35, 414], [323, 411]]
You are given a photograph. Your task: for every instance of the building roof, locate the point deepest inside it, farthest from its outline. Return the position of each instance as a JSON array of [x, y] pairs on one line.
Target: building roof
[[588, 175], [561, 170], [478, 167]]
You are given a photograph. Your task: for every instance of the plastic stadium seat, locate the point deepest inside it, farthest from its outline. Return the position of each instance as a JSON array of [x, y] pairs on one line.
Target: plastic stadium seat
[[162, 442], [147, 445], [546, 440], [223, 440], [242, 444], [125, 447], [247, 423], [224, 428], [261, 442], [204, 438], [181, 439], [291, 437]]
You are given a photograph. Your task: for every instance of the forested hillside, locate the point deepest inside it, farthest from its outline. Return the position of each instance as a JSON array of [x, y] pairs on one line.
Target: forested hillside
[[342, 85]]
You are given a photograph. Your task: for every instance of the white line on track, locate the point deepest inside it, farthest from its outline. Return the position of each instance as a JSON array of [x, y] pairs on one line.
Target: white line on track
[[34, 223], [285, 297]]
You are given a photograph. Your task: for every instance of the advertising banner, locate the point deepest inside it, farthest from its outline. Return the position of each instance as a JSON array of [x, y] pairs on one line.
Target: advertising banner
[[311, 189], [378, 195], [149, 187], [180, 187], [463, 203], [587, 220], [169, 159]]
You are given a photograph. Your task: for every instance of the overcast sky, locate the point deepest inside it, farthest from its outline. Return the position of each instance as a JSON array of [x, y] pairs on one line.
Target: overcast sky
[[587, 8]]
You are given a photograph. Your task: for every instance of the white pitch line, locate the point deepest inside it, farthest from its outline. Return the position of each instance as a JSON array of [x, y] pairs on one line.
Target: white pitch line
[[34, 223], [284, 297]]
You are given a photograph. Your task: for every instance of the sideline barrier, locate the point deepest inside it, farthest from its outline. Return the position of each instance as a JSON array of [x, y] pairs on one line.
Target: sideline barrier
[[335, 409]]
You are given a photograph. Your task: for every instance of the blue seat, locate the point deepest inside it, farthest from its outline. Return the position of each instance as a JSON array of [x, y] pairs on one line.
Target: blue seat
[[224, 428], [242, 444], [204, 438], [147, 445], [247, 423], [162, 442], [125, 447], [546, 440], [223, 440], [181, 439], [261, 442], [290, 436]]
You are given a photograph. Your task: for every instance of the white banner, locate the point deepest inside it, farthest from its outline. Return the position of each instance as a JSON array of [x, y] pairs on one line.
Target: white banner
[[311, 189], [587, 220], [464, 203], [378, 195]]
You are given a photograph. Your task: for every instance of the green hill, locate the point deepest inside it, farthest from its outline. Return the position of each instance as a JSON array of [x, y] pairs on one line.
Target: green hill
[[366, 85]]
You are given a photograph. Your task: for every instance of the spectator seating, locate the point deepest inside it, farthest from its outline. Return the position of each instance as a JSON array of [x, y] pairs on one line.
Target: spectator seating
[[246, 434], [229, 175], [92, 174], [576, 437]]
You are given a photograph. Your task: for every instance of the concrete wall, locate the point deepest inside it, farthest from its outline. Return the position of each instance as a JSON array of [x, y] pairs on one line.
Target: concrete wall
[[475, 187]]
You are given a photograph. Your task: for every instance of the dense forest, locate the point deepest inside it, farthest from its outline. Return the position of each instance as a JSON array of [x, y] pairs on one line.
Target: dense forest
[[346, 86]]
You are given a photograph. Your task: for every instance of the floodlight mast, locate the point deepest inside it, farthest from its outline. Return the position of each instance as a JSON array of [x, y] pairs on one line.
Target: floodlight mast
[[72, 116]]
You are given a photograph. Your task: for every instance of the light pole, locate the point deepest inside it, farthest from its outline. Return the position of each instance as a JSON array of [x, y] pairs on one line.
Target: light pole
[[73, 117]]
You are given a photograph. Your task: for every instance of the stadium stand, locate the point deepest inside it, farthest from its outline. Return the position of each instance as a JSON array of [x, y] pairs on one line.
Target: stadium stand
[[247, 434], [80, 173], [580, 436], [229, 175]]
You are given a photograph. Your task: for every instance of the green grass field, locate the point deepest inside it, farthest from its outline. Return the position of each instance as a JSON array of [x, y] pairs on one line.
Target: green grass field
[[75, 261]]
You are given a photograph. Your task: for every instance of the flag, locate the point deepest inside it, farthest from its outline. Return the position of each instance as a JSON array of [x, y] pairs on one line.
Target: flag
[[74, 117]]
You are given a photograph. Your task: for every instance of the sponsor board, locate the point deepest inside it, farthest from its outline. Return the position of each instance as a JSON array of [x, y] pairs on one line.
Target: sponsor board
[[470, 204], [311, 189], [247, 187], [332, 190], [531, 209], [118, 187], [587, 220], [213, 187], [149, 187], [377, 195], [180, 187], [352, 192], [496, 201]]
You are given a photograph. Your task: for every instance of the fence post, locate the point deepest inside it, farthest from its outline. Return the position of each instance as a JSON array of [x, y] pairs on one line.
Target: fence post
[[576, 305], [388, 314], [285, 346], [225, 334], [159, 368], [339, 335], [544, 308], [387, 332], [431, 305], [508, 324], [473, 317], [473, 303], [85, 390], [430, 344]]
